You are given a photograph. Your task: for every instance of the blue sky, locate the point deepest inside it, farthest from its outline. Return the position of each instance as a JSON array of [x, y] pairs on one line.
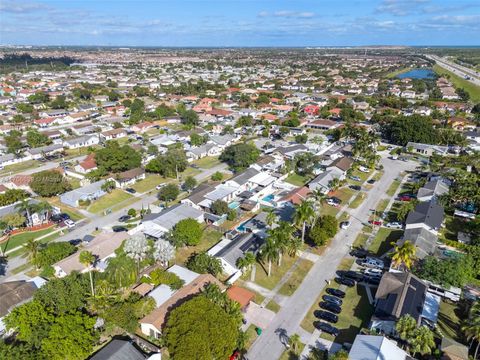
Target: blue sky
[[240, 22]]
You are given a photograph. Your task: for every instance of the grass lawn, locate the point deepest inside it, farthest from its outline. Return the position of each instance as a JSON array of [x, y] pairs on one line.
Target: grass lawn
[[357, 201], [362, 175], [381, 242], [109, 201], [355, 315], [382, 205], [272, 305], [251, 335], [207, 162], [297, 180], [15, 168], [343, 194], [189, 171], [449, 321], [21, 268], [361, 240], [378, 175], [209, 238], [22, 238], [291, 355], [453, 225], [393, 187], [460, 82], [74, 215], [296, 278], [149, 183], [307, 322], [269, 282]]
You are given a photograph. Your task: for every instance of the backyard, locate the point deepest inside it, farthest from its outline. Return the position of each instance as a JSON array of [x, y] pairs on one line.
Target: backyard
[[449, 321], [209, 238], [297, 180]]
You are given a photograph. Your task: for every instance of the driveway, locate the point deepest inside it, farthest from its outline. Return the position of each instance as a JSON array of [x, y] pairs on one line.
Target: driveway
[[261, 317], [288, 319]]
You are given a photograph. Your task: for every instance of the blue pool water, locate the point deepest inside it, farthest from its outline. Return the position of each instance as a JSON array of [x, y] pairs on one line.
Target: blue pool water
[[269, 198], [241, 227], [234, 205], [418, 74]]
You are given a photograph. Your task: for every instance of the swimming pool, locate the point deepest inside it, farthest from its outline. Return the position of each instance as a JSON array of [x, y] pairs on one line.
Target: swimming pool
[[241, 227], [234, 205], [269, 198]]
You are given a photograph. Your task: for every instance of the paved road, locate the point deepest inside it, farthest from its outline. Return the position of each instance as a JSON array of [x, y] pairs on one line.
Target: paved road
[[459, 70], [268, 345], [105, 221]]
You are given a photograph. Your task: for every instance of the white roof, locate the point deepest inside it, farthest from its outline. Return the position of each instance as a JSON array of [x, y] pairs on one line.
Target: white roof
[[183, 273], [263, 179], [220, 192], [161, 294], [370, 347]]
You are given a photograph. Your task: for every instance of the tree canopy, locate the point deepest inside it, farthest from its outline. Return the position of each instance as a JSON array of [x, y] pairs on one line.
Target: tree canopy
[[116, 158], [49, 183], [187, 232], [240, 156]]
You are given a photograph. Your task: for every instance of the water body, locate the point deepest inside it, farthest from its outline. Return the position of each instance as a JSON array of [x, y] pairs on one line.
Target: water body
[[418, 74]]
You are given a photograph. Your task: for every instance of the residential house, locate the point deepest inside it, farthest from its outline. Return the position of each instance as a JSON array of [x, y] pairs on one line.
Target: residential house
[[20, 182], [198, 195], [427, 149], [10, 159], [432, 190], [242, 296], [43, 151], [399, 294], [113, 134], [86, 165], [343, 164], [202, 151], [428, 215], [322, 124], [103, 247], [81, 141], [371, 347], [425, 242], [119, 349], [323, 181], [85, 193], [156, 225], [128, 178], [296, 196]]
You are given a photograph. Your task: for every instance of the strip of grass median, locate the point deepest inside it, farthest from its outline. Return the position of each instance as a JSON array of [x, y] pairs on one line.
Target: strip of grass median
[[459, 82], [393, 187], [357, 201], [269, 282], [272, 305], [296, 278]]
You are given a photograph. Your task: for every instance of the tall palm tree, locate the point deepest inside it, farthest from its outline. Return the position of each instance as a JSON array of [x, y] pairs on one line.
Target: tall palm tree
[[121, 271], [319, 198], [294, 246], [472, 326], [269, 252], [25, 206], [334, 184], [282, 235], [404, 254], [423, 341], [405, 327], [43, 208], [247, 262], [32, 248], [294, 342], [271, 218], [87, 259], [304, 214]]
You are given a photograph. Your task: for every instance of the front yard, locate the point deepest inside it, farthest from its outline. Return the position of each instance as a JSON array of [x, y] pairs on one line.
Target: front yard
[[296, 278], [109, 201], [149, 183], [207, 162], [382, 241], [269, 282], [22, 238]]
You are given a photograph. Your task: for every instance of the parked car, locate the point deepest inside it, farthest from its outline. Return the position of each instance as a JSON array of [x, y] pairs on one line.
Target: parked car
[[131, 190], [325, 315], [375, 222], [69, 223], [356, 187], [335, 292], [159, 186], [332, 299], [332, 203], [326, 327], [373, 280], [355, 178], [373, 272], [119, 228], [394, 225], [354, 275], [330, 307], [195, 166], [59, 217], [406, 197], [360, 253], [371, 181], [345, 281], [124, 218], [345, 224], [373, 263], [364, 169], [75, 242]]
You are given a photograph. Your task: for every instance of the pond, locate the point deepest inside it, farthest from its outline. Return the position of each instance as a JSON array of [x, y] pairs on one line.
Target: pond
[[418, 74]]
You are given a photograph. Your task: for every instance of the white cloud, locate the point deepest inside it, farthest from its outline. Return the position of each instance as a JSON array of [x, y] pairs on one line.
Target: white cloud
[[21, 7]]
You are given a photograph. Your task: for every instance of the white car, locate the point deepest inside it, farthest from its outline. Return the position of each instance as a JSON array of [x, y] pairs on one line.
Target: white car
[[364, 169], [373, 263], [332, 203], [159, 186], [69, 223], [345, 224], [373, 272], [394, 225]]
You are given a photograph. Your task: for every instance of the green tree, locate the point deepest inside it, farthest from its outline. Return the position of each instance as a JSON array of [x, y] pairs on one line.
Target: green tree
[[217, 176], [269, 252], [405, 327], [404, 254], [14, 220], [121, 271], [116, 158], [49, 183], [60, 102], [423, 341], [240, 156], [189, 118], [200, 329], [190, 183], [169, 164], [203, 263], [168, 193], [87, 259], [303, 216], [471, 327], [32, 247], [35, 139], [108, 186], [187, 232], [197, 140], [26, 207], [219, 207], [301, 139], [13, 142], [402, 129], [247, 262], [54, 252], [294, 342]]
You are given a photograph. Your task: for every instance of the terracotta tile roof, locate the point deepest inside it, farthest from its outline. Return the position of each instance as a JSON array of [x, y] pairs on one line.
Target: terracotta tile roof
[[240, 295], [158, 316], [297, 196], [89, 162]]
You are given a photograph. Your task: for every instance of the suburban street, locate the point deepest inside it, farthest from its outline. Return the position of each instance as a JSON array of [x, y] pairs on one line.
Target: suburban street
[[292, 312], [103, 222], [457, 69]]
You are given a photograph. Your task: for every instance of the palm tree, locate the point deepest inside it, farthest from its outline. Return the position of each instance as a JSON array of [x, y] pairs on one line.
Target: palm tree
[[423, 342], [43, 207], [294, 342], [32, 248], [247, 262], [304, 214], [294, 246], [282, 236], [271, 218], [319, 198], [334, 184], [88, 260], [269, 252], [404, 254], [405, 327], [472, 326], [25, 206], [121, 271]]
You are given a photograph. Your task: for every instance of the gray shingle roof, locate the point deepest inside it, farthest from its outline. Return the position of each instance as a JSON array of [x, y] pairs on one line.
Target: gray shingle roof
[[427, 212], [239, 246], [169, 217], [424, 240]]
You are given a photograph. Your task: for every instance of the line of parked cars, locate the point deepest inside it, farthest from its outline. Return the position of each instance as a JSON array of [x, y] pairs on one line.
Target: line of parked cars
[[332, 306]]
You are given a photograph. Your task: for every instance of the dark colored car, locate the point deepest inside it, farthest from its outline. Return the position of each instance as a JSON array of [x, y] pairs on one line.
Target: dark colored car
[[374, 280], [325, 315], [345, 281], [336, 292], [124, 218], [326, 327], [371, 181], [332, 299], [330, 307], [75, 242], [59, 217], [353, 275], [119, 228], [360, 253], [356, 187], [131, 190]]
